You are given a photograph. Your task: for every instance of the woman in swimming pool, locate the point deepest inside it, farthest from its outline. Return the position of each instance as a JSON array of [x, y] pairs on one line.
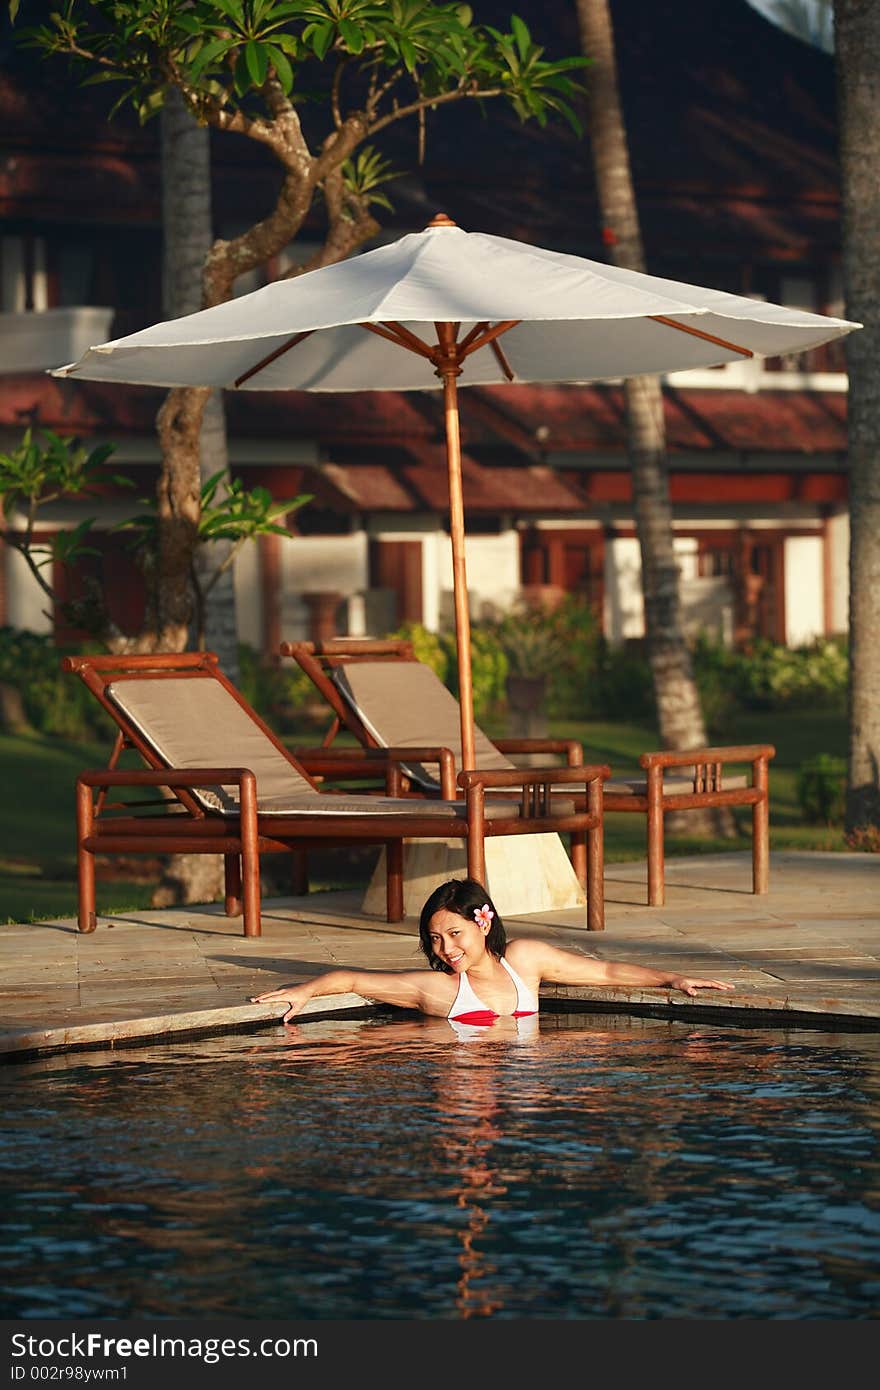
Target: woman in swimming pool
[[475, 976]]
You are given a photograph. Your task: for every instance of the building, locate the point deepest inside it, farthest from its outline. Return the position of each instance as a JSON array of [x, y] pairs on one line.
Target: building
[[732, 132]]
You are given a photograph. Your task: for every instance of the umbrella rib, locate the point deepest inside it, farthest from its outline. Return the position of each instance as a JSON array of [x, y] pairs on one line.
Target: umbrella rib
[[401, 337], [698, 333], [472, 344], [502, 360], [475, 332], [285, 347]]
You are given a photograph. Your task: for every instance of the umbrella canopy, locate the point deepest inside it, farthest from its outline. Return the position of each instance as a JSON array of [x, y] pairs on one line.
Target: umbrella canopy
[[447, 298], [577, 321]]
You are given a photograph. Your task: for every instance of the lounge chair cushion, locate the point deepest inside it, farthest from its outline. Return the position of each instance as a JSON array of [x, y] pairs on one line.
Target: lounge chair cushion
[[191, 722], [344, 804], [195, 722], [404, 704], [399, 701]]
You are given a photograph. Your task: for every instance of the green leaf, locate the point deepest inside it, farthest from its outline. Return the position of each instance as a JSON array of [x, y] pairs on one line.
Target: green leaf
[[408, 54], [320, 36], [95, 78], [257, 62], [294, 503], [352, 36], [287, 42], [206, 55], [241, 76], [283, 70], [521, 34]]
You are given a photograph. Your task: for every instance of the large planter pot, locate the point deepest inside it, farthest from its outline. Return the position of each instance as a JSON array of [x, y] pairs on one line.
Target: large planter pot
[[526, 705]]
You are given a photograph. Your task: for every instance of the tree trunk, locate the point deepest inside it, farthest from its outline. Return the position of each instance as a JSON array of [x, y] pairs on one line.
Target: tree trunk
[[193, 428], [857, 44], [220, 620], [679, 713], [188, 234]]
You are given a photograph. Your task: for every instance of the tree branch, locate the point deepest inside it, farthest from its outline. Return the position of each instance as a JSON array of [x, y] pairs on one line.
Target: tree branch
[[426, 103], [23, 547]]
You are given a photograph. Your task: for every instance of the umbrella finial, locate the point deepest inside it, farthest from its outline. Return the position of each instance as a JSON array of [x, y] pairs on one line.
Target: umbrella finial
[[440, 220]]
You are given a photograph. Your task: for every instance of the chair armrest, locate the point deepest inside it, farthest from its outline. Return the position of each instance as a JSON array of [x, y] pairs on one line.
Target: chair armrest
[[167, 777], [688, 757], [573, 750], [707, 764], [185, 778], [534, 776]]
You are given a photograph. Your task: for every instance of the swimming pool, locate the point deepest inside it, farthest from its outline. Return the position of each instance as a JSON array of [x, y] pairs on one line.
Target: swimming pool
[[592, 1166]]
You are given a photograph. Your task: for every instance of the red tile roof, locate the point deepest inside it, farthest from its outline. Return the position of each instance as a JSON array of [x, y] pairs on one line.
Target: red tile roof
[[384, 451]]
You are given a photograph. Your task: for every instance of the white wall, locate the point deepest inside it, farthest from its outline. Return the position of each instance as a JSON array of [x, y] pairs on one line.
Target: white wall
[[313, 563], [248, 597], [707, 603], [25, 600], [492, 564], [804, 604], [838, 541], [624, 610]]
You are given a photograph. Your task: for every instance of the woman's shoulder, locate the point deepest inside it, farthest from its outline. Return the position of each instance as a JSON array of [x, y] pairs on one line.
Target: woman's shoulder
[[523, 952]]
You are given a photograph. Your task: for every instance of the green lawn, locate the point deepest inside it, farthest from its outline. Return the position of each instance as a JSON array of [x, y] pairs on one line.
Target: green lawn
[[37, 859]]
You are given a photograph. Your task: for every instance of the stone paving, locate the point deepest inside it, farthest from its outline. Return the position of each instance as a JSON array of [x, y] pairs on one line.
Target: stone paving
[[805, 955]]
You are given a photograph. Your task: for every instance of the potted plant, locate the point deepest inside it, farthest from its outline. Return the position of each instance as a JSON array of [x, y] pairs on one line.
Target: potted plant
[[533, 646]]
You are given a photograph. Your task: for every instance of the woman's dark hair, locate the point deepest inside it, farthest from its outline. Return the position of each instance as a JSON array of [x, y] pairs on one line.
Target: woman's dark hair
[[463, 896]]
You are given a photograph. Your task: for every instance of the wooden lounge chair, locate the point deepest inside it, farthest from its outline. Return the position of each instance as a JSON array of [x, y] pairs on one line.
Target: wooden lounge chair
[[380, 692], [236, 790]]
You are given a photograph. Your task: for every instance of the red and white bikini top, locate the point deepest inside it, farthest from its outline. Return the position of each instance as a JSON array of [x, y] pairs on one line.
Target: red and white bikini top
[[468, 1008]]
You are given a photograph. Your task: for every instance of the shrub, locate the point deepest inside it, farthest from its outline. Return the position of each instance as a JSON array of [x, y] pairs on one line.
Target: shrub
[[775, 677], [560, 643], [626, 684], [427, 647], [715, 675], [489, 667], [821, 789], [574, 689], [54, 703], [532, 643]]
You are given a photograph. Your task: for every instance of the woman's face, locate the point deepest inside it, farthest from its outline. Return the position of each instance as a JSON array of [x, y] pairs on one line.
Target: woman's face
[[458, 941]]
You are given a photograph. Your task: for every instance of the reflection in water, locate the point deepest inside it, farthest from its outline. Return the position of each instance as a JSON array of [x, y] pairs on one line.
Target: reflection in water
[[572, 1167]]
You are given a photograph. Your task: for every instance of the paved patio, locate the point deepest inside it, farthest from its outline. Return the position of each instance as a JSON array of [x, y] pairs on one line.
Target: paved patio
[[805, 955]]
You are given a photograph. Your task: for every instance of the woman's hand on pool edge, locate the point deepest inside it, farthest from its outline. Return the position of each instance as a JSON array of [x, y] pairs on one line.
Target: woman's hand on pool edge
[[294, 996], [689, 984]]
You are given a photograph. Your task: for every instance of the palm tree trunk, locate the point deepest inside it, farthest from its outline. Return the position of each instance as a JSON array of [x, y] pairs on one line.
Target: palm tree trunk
[[679, 714], [857, 44]]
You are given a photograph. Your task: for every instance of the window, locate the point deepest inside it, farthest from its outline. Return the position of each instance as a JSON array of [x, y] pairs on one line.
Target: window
[[24, 283]]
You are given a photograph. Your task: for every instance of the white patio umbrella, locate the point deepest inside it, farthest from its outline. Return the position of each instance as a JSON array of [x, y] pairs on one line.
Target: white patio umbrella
[[410, 315]]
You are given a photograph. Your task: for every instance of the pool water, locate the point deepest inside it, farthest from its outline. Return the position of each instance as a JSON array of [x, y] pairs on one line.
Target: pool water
[[588, 1166]]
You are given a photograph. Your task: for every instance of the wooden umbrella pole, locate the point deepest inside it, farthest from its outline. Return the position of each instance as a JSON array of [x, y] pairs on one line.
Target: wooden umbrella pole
[[448, 369]]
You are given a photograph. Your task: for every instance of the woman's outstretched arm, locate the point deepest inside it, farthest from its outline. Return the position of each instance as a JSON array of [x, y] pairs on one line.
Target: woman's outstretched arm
[[560, 967], [410, 989]]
